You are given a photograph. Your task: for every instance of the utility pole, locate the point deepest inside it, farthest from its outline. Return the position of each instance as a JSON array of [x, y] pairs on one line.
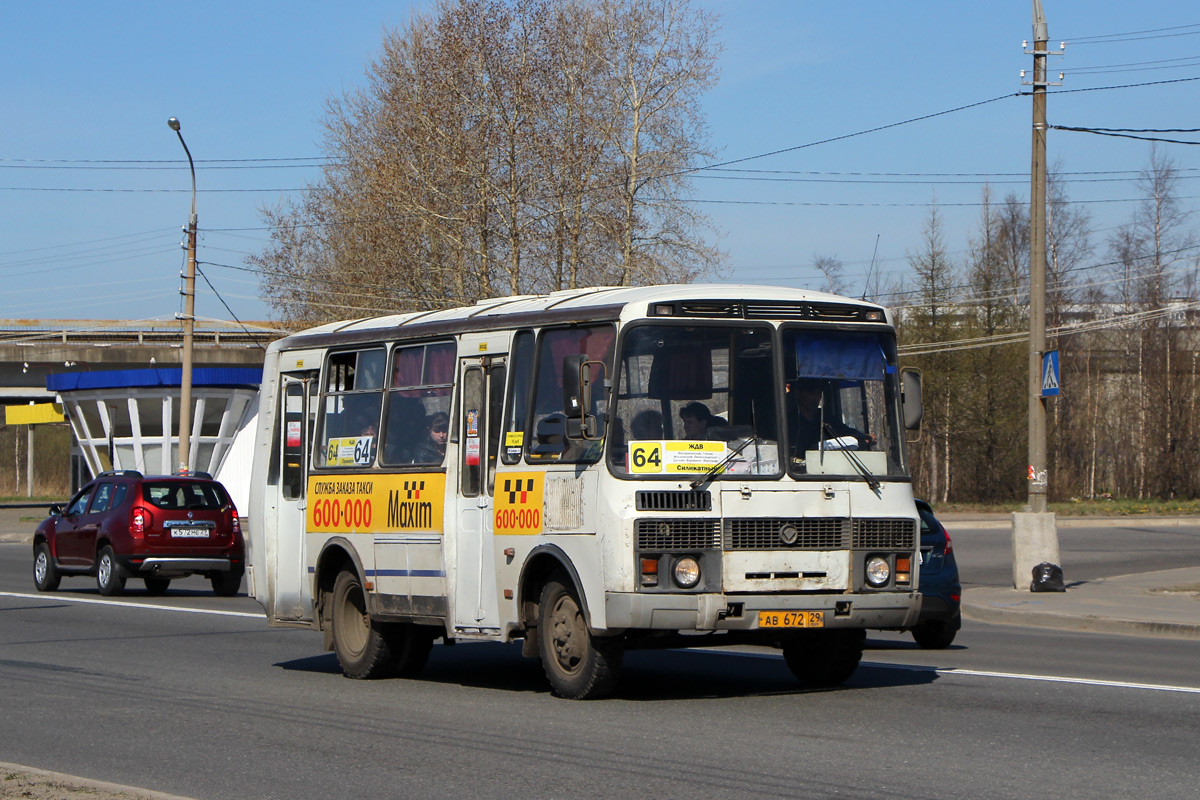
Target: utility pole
[[1035, 534], [189, 323]]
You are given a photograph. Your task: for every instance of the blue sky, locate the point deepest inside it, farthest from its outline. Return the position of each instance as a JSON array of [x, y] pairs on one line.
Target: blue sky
[[88, 83]]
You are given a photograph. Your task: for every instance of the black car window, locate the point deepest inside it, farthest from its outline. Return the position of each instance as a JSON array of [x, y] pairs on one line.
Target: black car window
[[80, 502], [176, 495], [102, 501]]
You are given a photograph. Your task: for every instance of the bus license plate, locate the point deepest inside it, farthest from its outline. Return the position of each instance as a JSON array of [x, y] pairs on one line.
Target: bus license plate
[[791, 619]]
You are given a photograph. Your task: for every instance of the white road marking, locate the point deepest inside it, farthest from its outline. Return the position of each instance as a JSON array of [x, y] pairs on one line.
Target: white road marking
[[1018, 676], [124, 604], [975, 673]]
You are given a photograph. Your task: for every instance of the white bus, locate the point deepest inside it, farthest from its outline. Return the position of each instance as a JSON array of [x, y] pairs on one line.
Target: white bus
[[590, 471]]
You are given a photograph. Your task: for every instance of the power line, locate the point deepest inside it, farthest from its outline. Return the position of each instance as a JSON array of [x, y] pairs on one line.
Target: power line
[[1112, 132], [135, 191], [227, 308]]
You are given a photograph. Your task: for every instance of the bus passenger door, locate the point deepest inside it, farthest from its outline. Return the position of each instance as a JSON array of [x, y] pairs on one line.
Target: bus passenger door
[[482, 382], [293, 586]]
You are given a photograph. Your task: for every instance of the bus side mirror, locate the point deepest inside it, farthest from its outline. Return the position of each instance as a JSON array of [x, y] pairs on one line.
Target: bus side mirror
[[579, 375], [910, 398], [577, 386]]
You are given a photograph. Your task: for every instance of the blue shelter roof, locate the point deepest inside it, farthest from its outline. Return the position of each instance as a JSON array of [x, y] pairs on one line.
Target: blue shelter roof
[[248, 377]]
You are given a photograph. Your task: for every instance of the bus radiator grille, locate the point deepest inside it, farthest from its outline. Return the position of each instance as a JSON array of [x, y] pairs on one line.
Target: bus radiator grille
[[885, 534], [673, 501], [678, 534], [801, 533]]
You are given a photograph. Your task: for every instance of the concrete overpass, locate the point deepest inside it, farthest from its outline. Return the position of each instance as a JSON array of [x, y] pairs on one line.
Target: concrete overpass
[[35, 352], [31, 350]]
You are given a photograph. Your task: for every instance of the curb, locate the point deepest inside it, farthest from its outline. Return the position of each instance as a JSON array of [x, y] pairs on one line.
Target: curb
[[976, 523], [84, 784], [1085, 622]]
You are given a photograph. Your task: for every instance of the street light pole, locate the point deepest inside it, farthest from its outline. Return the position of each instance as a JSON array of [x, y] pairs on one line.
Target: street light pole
[[189, 322], [1035, 531]]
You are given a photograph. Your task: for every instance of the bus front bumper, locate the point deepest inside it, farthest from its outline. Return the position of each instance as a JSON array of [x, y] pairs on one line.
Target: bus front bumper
[[720, 612]]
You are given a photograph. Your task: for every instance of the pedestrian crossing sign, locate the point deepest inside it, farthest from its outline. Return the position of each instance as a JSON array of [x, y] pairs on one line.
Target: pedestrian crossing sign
[[1050, 373]]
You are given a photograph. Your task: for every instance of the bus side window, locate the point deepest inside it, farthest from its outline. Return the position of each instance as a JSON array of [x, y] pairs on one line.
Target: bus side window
[[521, 368], [418, 400], [292, 417], [549, 440], [472, 430], [496, 376], [350, 408]]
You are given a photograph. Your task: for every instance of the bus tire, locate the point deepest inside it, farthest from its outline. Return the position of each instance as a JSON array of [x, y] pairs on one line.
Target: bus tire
[[578, 664], [821, 659], [360, 643], [410, 645]]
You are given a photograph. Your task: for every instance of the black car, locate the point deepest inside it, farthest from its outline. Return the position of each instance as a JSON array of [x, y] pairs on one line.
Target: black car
[[939, 585]]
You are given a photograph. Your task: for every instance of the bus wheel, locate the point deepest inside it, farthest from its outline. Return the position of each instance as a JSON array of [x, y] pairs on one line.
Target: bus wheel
[[361, 645], [410, 646], [579, 666], [820, 659]]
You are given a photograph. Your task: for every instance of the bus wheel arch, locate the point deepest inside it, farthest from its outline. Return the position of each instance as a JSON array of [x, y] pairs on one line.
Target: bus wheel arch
[[336, 556], [540, 566]]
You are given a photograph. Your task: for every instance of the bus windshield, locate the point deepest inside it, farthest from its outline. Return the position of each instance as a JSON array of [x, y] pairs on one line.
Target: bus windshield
[[841, 403], [692, 397]]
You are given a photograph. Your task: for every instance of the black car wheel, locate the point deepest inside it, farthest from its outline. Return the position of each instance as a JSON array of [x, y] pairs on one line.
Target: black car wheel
[[936, 634], [820, 659], [225, 584], [109, 579], [45, 573], [156, 585]]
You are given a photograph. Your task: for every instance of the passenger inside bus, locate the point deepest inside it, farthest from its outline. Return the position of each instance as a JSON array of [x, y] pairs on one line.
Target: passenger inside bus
[[806, 415], [432, 449], [647, 425], [698, 420]]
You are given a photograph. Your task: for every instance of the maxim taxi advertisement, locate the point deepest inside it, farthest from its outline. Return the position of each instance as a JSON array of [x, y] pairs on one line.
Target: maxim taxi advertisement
[[376, 503], [518, 503]]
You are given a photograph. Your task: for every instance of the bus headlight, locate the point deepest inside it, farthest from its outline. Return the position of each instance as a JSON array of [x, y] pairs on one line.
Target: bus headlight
[[878, 571], [687, 572]]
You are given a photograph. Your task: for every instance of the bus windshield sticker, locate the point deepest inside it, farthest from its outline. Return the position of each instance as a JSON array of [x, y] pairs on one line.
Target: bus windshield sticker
[[351, 451], [671, 457]]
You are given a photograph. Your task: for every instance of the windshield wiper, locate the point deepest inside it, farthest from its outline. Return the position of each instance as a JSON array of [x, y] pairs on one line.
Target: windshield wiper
[[855, 462], [718, 468]]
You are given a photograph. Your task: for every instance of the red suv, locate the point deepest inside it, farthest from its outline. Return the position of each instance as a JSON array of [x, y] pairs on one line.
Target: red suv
[[124, 525]]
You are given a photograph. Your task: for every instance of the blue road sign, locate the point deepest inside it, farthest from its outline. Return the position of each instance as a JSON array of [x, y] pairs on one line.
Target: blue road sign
[[1050, 373]]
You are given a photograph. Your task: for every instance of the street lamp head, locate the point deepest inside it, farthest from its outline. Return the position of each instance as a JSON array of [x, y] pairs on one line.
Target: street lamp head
[[173, 124]]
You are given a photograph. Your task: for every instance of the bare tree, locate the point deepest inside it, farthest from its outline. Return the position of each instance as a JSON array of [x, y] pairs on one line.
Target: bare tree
[[505, 147], [833, 269]]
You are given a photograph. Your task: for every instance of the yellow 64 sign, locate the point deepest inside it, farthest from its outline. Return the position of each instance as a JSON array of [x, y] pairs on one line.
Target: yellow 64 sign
[[645, 457]]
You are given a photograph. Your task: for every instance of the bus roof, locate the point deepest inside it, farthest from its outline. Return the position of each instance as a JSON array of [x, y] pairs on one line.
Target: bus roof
[[695, 300]]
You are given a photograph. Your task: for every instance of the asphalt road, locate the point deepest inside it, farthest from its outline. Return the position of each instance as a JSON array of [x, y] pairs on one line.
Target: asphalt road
[[217, 706]]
